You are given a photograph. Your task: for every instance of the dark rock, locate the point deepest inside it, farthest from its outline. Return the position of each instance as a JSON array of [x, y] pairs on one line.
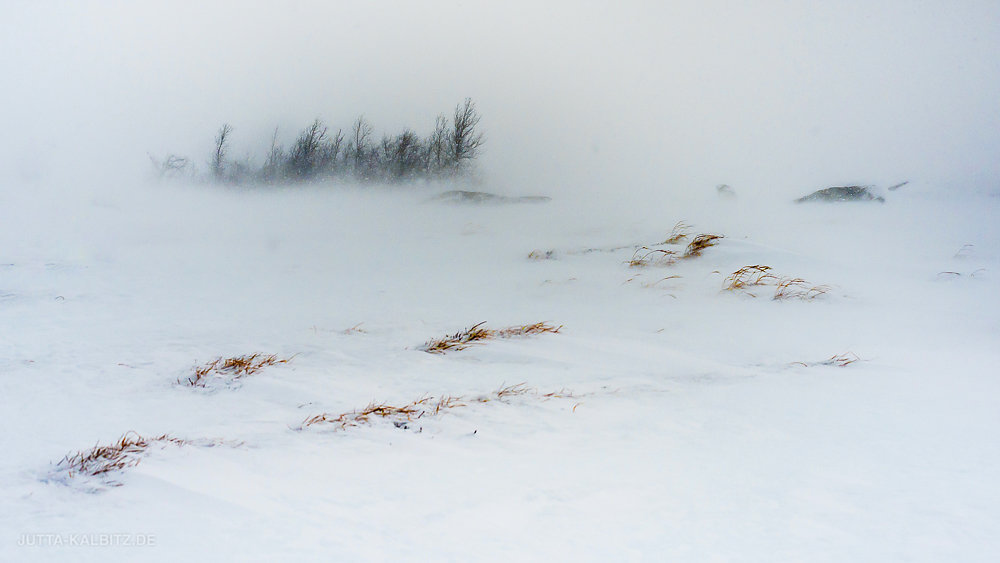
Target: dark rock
[[842, 193], [462, 196]]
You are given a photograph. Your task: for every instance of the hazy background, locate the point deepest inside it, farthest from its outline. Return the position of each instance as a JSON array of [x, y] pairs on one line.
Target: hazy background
[[576, 97]]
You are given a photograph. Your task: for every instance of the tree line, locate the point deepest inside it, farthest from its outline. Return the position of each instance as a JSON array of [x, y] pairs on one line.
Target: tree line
[[319, 153]]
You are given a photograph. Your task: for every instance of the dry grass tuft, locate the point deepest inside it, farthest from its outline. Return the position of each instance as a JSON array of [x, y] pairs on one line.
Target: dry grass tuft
[[104, 461], [477, 333], [231, 368], [363, 416], [750, 276], [840, 361], [356, 329], [458, 341], [525, 330], [401, 416], [798, 288], [661, 280], [678, 233], [101, 460], [447, 402], [542, 255], [700, 243], [646, 256], [560, 394], [506, 391], [965, 251]]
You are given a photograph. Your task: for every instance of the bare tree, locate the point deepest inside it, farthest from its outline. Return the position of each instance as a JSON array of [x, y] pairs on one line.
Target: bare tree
[[329, 153], [275, 156], [241, 170], [173, 166], [465, 140], [388, 149], [304, 157], [437, 146], [361, 132], [407, 154], [219, 157]]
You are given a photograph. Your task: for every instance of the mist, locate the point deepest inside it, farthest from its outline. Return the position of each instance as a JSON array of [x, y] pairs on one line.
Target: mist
[[721, 376], [577, 98]]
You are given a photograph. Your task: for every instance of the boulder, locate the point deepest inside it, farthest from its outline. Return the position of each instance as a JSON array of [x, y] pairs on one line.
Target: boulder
[[842, 193], [462, 196]]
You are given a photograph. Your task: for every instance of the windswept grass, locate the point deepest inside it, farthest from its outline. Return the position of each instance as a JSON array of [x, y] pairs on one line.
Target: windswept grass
[[798, 288], [460, 340], [661, 280], [356, 329], [478, 333], [117, 456], [700, 243], [749, 277], [104, 461], [646, 256], [840, 361], [524, 330], [678, 233], [402, 415], [542, 255], [231, 369]]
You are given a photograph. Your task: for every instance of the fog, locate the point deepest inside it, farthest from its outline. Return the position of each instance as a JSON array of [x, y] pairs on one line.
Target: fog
[[577, 98], [682, 412]]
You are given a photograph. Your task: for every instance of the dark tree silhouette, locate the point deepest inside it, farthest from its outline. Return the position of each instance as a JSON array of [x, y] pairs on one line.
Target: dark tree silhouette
[[465, 140], [315, 155], [361, 131], [304, 159], [221, 147]]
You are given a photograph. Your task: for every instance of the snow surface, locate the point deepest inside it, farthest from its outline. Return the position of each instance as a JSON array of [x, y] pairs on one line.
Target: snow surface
[[699, 426]]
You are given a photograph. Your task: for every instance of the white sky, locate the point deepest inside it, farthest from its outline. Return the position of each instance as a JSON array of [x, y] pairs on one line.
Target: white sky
[[574, 95]]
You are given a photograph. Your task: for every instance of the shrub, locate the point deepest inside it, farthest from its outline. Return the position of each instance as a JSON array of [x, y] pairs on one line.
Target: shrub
[[316, 154]]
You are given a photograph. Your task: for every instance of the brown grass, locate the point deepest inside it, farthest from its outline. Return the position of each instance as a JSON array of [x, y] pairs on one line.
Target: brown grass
[[661, 280], [478, 333], [678, 233], [700, 243], [425, 406], [758, 275], [646, 256], [356, 329], [231, 368], [840, 361], [125, 453], [506, 391], [750, 276], [542, 255], [798, 288], [103, 461]]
